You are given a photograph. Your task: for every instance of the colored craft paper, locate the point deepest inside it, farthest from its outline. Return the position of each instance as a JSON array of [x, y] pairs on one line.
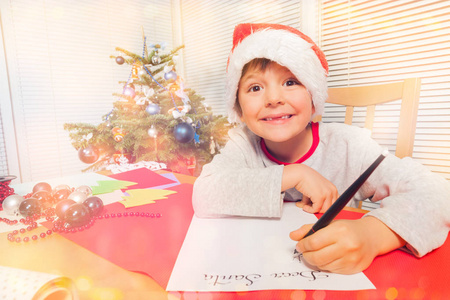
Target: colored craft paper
[[108, 186], [144, 196], [144, 178], [248, 254], [112, 197], [141, 244], [170, 176]]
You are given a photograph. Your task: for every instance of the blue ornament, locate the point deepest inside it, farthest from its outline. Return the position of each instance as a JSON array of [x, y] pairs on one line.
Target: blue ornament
[[197, 138], [184, 133], [153, 109], [170, 75]]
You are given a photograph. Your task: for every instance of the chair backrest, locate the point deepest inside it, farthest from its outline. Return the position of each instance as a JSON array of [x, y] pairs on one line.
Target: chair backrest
[[407, 90]]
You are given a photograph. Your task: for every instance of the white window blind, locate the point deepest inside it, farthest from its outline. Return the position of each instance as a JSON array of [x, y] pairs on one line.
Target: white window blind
[[60, 71], [207, 32], [370, 42]]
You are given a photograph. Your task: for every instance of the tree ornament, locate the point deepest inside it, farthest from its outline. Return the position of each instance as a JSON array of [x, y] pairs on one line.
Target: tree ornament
[[142, 72], [77, 196], [120, 60], [61, 194], [118, 134], [11, 204], [88, 155], [129, 91], [170, 75], [29, 207], [77, 215], [153, 109], [62, 206], [42, 186], [156, 60], [184, 133], [84, 189], [121, 158], [148, 92], [152, 132], [94, 205], [135, 71], [45, 198]]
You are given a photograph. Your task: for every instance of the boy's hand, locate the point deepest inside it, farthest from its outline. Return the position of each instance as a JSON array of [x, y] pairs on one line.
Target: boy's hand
[[346, 246], [318, 192]]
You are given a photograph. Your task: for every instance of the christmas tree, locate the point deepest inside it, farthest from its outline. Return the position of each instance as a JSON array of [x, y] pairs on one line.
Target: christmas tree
[[154, 119]]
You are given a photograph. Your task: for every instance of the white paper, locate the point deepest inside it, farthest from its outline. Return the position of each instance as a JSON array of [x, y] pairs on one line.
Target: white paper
[[246, 254]]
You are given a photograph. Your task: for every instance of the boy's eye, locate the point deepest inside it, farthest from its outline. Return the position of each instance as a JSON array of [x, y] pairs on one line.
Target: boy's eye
[[255, 88], [291, 82]]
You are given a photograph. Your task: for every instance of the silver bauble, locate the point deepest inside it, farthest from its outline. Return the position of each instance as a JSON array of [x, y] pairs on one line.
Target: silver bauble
[[11, 204], [85, 189], [152, 132], [77, 196]]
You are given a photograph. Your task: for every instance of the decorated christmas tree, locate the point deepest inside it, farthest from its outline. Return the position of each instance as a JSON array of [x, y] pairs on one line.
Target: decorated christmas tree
[[155, 118]]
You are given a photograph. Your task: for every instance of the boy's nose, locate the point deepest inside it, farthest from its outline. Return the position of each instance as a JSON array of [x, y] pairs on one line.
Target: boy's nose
[[274, 98]]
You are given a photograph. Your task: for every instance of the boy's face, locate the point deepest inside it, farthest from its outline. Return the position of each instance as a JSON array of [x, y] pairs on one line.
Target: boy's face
[[274, 104]]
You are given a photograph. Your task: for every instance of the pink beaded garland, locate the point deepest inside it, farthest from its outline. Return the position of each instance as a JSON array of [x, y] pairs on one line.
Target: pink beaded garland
[[58, 224]]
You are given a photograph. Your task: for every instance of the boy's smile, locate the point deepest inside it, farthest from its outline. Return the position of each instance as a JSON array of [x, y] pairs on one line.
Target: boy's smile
[[278, 108]]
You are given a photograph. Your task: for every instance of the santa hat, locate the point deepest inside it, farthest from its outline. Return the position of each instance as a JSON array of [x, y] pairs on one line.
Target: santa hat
[[284, 45]]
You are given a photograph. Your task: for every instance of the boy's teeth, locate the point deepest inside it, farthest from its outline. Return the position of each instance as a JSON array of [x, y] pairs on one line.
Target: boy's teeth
[[283, 117]]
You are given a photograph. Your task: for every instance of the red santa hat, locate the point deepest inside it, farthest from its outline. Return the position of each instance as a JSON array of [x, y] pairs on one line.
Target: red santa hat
[[284, 45]]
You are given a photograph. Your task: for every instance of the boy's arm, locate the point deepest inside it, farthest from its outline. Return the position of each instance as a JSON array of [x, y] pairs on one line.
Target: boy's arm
[[318, 192], [238, 183]]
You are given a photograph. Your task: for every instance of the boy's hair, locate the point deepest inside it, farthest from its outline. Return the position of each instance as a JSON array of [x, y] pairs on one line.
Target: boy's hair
[[281, 44]]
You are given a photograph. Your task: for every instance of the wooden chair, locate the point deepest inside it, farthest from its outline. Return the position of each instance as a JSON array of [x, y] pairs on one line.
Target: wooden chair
[[407, 90]]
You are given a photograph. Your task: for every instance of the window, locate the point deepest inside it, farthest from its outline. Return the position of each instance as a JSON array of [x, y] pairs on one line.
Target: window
[[59, 70], [369, 42]]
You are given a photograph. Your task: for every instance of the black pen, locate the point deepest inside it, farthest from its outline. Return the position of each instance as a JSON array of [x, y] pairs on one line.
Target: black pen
[[342, 201]]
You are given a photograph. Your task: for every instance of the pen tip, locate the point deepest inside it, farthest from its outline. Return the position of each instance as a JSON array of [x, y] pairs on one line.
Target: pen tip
[[385, 152]]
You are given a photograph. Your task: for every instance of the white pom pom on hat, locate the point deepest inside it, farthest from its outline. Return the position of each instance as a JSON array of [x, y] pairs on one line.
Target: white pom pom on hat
[[284, 45]]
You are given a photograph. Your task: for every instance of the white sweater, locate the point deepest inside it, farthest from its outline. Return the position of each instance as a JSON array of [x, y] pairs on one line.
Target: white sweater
[[242, 181]]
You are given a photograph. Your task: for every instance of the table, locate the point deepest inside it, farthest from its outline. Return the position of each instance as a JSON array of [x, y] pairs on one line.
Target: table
[[396, 275]]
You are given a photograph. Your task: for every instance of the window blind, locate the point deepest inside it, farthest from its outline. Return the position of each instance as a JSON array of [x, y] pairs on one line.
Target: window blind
[[207, 32], [60, 71], [370, 42]]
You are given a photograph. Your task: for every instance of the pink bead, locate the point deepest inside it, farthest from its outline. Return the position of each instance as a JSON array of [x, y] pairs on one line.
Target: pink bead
[[26, 239], [42, 235], [18, 239], [131, 214], [113, 215], [22, 230], [34, 237], [49, 232], [119, 215]]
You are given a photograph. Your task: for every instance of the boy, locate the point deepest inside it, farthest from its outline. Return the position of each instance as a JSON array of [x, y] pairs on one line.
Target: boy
[[276, 84]]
